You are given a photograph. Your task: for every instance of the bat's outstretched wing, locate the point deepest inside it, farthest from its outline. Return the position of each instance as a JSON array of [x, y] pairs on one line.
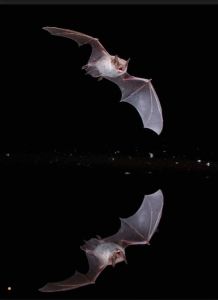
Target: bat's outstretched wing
[[139, 228], [97, 49], [140, 93], [78, 279], [136, 91]]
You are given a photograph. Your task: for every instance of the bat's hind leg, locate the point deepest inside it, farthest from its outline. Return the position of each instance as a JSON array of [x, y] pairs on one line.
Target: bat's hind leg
[[90, 245], [91, 70]]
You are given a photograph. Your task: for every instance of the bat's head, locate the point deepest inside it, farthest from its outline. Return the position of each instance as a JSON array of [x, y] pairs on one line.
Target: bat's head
[[118, 255], [119, 64]]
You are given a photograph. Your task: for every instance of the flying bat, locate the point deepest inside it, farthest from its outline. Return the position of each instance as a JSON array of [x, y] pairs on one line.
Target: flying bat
[[136, 91], [134, 230]]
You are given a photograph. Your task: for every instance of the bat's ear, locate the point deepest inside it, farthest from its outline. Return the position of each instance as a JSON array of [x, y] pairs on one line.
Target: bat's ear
[[116, 58], [127, 62]]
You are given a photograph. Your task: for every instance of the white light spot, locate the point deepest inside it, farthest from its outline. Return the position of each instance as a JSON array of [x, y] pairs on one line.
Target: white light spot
[[199, 160], [151, 155], [7, 154], [9, 288], [176, 162], [117, 152], [208, 164], [127, 173], [112, 158]]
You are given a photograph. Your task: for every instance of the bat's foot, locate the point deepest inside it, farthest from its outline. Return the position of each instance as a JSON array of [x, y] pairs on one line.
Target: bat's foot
[[91, 70], [100, 78], [85, 67]]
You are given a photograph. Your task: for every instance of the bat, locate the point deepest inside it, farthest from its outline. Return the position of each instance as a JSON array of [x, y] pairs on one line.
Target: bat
[[138, 92], [137, 229]]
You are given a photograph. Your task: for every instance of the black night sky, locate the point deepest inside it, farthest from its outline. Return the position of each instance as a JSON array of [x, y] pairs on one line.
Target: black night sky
[[73, 159]]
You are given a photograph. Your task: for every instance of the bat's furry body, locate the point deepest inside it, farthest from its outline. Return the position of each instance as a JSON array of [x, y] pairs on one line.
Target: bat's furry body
[[138, 92], [104, 67], [135, 230]]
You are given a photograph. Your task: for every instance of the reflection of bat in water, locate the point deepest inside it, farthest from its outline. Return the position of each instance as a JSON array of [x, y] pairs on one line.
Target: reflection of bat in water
[[135, 230], [137, 91]]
